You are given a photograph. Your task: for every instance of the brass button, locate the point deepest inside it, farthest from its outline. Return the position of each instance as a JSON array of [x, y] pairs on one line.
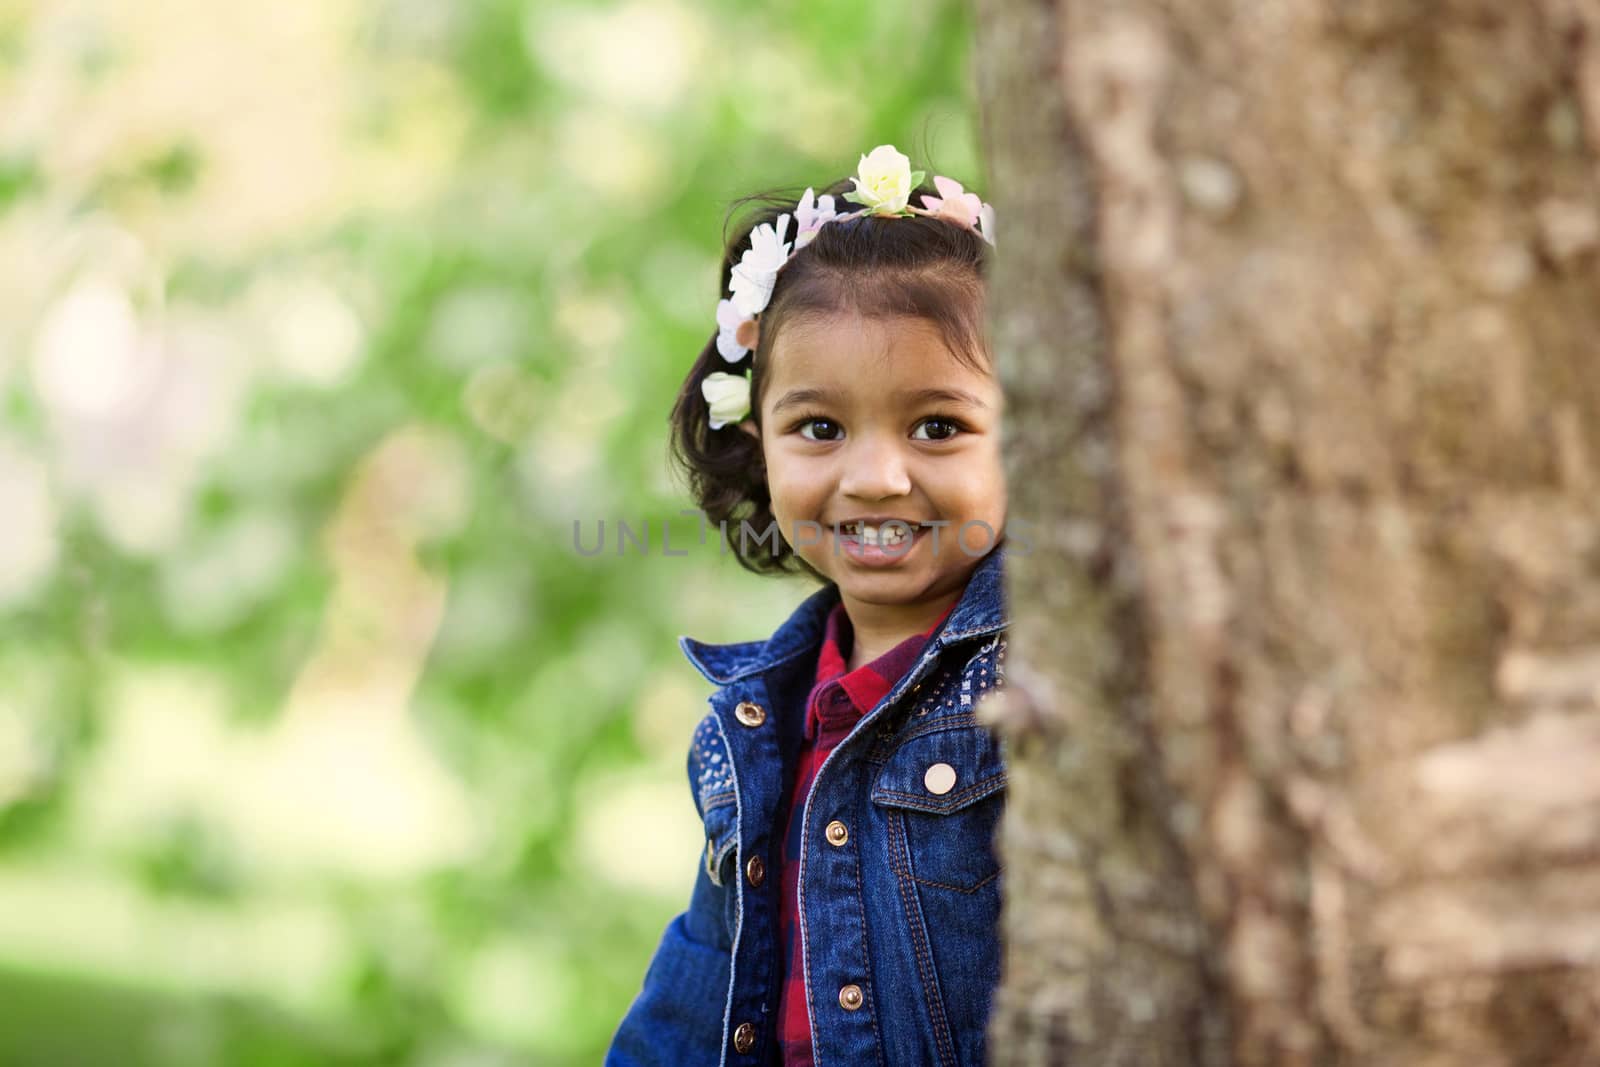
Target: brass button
[[744, 1038], [837, 834], [940, 779], [850, 997], [755, 870], [750, 714]]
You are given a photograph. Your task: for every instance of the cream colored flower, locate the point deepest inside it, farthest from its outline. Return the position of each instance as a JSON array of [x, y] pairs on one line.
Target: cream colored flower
[[728, 395], [884, 181]]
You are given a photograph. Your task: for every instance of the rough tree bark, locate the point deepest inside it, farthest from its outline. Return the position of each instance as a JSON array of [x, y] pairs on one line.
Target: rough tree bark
[[1298, 307]]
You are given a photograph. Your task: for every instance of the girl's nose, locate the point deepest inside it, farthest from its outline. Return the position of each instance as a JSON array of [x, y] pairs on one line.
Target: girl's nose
[[875, 470]]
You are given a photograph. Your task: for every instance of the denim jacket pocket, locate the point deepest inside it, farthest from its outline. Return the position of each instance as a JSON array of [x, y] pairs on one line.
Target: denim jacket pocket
[[722, 834], [715, 795], [945, 788]]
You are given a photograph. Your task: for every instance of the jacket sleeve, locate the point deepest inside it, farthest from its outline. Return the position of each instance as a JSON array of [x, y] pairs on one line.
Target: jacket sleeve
[[677, 1018]]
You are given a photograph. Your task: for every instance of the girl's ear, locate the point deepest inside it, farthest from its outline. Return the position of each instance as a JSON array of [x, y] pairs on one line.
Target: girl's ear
[[749, 426]]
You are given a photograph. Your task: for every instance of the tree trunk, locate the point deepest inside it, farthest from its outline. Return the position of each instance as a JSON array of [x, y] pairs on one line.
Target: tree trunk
[[1298, 306]]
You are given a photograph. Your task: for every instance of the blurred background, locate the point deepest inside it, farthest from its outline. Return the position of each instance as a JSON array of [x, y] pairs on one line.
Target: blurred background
[[321, 324]]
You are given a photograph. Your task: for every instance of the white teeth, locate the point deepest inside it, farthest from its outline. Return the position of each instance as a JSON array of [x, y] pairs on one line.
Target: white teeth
[[874, 535]]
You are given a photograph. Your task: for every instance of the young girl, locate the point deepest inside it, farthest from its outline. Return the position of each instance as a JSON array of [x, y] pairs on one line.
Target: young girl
[[845, 421]]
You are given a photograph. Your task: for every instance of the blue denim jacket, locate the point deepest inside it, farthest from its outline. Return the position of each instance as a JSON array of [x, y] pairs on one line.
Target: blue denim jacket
[[905, 909]]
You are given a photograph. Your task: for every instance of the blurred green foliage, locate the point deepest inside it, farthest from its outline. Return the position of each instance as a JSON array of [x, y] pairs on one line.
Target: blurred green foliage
[[324, 323]]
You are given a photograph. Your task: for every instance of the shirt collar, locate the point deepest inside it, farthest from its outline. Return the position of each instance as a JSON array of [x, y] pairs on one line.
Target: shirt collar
[[863, 687], [980, 611]]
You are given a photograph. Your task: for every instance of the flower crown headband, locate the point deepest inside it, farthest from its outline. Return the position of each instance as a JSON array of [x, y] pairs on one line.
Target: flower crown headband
[[883, 184]]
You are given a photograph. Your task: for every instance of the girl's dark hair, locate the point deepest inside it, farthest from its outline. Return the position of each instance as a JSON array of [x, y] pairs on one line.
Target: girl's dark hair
[[914, 266]]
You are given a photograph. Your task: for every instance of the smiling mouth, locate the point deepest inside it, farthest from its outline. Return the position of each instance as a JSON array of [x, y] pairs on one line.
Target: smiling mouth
[[867, 545]]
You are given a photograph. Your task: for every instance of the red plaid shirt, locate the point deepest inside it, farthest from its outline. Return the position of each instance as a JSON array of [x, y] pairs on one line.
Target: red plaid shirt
[[837, 702]]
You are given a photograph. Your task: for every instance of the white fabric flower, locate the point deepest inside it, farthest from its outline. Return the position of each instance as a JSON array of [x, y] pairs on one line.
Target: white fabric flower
[[809, 215], [728, 322], [884, 181], [728, 395], [986, 223], [757, 270]]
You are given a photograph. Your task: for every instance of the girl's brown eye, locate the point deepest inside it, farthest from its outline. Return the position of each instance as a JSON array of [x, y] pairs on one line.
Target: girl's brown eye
[[939, 429], [829, 434]]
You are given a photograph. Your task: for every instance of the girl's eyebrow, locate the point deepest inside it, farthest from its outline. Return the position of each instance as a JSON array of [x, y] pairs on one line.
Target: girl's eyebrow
[[933, 394], [940, 395], [799, 397]]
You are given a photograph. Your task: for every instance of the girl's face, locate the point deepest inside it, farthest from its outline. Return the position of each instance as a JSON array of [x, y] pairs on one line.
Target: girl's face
[[875, 419]]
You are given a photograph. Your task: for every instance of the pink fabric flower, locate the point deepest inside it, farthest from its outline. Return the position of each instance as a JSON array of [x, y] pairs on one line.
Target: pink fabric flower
[[810, 214], [954, 203], [986, 223]]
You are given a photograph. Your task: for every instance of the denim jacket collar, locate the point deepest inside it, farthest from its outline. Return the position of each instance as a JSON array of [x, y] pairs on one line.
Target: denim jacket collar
[[980, 611]]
